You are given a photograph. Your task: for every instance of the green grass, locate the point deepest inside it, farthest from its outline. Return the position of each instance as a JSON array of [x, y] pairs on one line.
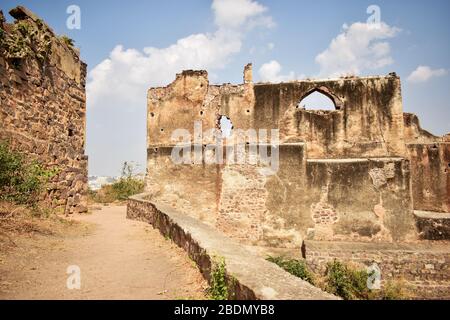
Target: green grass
[[347, 282], [219, 288], [295, 267], [343, 280]]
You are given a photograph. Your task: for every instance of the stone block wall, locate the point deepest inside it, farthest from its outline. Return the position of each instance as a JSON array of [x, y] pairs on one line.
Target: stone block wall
[[190, 188], [360, 199], [367, 122], [43, 105], [425, 267], [430, 169], [433, 225], [265, 209], [345, 174], [353, 199], [241, 200]]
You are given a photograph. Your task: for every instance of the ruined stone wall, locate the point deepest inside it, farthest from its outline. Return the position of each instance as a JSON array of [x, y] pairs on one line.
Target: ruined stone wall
[[430, 163], [361, 200], [364, 200], [343, 174], [265, 209], [423, 268], [239, 199], [190, 98], [413, 132], [430, 168], [43, 104], [192, 189], [367, 122]]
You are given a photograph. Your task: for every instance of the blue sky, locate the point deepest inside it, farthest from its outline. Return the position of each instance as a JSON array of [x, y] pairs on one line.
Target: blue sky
[[284, 39]]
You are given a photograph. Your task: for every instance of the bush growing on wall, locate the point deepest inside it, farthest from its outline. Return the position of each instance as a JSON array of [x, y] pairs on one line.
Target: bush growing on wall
[[21, 180], [295, 267], [347, 282]]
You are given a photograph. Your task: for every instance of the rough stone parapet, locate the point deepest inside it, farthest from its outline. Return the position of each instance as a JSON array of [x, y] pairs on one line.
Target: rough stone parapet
[[248, 276]]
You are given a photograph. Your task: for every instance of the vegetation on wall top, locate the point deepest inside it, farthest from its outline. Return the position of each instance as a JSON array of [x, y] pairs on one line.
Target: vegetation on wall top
[[68, 41], [26, 39]]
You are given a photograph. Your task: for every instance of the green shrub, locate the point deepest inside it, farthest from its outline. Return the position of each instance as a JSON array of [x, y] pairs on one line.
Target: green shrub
[[347, 282], [26, 40], [21, 180], [126, 186], [393, 290], [68, 41], [295, 267], [219, 288]]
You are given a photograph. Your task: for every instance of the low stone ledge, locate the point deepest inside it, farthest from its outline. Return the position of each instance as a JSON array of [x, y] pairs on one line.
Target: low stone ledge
[[433, 225], [248, 276]]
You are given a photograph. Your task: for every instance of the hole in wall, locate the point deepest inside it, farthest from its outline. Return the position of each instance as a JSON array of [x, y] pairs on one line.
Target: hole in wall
[[70, 132], [316, 101], [162, 130], [248, 111], [152, 114], [201, 113], [225, 126]]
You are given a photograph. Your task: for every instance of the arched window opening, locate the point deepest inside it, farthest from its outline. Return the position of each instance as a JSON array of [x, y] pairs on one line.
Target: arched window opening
[[226, 126], [316, 101]]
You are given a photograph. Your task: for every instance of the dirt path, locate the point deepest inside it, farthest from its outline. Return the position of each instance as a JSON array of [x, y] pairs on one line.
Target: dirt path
[[118, 259]]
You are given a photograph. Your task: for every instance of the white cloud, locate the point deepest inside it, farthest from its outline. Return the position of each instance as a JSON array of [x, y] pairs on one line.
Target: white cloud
[[232, 14], [123, 78], [271, 72], [425, 73], [117, 87], [357, 48]]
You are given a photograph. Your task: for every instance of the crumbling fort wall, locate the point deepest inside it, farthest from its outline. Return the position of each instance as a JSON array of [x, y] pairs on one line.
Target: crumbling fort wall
[[43, 104], [343, 174], [430, 167]]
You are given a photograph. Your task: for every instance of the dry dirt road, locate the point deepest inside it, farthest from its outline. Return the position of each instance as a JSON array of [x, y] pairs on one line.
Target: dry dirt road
[[118, 259]]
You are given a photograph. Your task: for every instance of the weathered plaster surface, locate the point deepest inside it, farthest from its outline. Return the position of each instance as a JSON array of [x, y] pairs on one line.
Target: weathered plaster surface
[[348, 174]]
